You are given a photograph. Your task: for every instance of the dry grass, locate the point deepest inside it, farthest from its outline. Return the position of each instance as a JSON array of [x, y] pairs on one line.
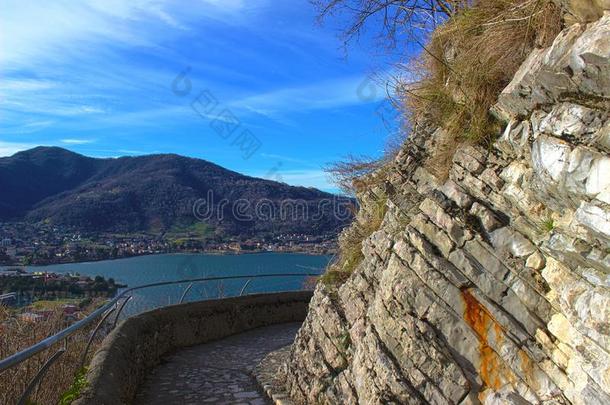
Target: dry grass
[[467, 63], [355, 175], [444, 146], [464, 65], [348, 175], [17, 335], [350, 242]]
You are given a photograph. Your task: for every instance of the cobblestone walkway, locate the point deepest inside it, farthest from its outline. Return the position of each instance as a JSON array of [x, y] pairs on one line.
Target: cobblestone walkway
[[218, 372]]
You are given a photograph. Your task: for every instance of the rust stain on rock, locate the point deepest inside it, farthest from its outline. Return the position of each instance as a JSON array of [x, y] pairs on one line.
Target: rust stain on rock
[[527, 368], [480, 321]]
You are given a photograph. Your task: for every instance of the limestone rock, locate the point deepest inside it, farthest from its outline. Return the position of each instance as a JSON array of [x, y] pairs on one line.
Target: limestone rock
[[506, 239], [590, 58], [598, 179], [594, 218], [455, 193], [535, 261], [489, 221], [550, 157], [572, 120]]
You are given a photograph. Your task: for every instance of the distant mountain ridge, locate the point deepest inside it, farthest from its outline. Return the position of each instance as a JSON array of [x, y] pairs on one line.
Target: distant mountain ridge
[[155, 193]]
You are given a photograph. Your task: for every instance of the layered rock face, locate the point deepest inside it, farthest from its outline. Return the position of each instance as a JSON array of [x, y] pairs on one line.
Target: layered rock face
[[493, 286]]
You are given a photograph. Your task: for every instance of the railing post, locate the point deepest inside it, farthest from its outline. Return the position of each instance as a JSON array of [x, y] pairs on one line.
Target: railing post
[[186, 291], [97, 328], [118, 314], [39, 376], [243, 290]]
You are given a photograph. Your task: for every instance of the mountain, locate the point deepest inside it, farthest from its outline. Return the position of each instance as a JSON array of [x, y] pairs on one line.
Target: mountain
[[157, 193]]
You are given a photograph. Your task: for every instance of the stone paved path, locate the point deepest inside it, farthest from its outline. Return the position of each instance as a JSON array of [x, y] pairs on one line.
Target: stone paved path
[[216, 373]]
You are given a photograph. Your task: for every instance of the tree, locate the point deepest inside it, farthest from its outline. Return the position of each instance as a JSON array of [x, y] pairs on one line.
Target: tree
[[395, 19]]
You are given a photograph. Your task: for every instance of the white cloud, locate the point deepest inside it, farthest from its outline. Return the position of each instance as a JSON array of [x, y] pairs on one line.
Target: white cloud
[[335, 93], [50, 30], [77, 141], [47, 105], [226, 3], [232, 6], [26, 127], [35, 30], [26, 85], [316, 178], [284, 158], [10, 148], [135, 152], [71, 50]]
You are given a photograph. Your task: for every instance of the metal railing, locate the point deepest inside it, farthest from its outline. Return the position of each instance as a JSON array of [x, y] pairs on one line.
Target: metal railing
[[115, 306], [9, 296]]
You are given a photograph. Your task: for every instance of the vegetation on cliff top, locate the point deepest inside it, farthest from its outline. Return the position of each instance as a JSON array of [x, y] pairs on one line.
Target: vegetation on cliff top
[[468, 61], [469, 51]]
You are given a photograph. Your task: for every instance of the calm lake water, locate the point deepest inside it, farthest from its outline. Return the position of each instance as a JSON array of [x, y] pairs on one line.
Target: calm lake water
[[143, 270]]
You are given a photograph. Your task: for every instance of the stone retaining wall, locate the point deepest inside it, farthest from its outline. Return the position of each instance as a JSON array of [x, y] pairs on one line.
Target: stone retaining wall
[[138, 344]]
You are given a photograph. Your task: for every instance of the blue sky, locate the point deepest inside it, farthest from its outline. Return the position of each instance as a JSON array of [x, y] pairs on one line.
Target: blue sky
[[98, 77]]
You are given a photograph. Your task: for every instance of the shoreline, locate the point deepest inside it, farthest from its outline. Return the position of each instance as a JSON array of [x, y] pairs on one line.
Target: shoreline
[[208, 253]]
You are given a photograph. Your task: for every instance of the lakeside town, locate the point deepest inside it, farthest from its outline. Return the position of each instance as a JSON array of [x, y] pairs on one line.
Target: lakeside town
[[36, 296], [25, 244]]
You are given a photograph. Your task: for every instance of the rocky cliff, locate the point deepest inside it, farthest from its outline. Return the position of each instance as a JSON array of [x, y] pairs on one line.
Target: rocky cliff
[[494, 285]]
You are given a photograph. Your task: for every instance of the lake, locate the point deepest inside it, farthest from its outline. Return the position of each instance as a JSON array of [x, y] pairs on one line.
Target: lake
[[143, 270]]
